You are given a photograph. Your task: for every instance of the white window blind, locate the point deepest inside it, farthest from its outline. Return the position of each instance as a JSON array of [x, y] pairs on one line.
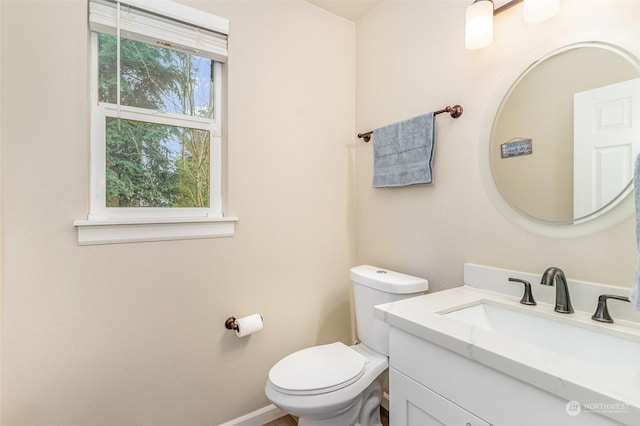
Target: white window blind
[[163, 22]]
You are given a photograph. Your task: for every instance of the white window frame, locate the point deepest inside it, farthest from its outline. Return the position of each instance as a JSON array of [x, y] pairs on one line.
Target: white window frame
[[105, 225]]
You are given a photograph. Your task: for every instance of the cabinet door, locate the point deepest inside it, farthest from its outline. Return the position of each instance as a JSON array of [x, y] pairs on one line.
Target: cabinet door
[[412, 404]]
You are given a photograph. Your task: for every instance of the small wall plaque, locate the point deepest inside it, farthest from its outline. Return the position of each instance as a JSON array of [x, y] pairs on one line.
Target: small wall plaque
[[515, 148]]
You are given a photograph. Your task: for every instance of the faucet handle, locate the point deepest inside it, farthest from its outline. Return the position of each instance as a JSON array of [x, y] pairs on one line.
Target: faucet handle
[[527, 297], [602, 313]]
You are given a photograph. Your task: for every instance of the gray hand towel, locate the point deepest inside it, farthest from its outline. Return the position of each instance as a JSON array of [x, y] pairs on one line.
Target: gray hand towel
[[403, 152]]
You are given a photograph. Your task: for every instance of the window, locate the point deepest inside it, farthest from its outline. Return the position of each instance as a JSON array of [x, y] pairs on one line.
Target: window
[[156, 135], [159, 142]]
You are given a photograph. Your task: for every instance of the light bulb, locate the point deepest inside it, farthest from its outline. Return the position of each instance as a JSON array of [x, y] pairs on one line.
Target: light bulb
[[540, 10]]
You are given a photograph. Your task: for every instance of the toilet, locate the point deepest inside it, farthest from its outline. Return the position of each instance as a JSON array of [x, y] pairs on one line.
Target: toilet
[[340, 385]]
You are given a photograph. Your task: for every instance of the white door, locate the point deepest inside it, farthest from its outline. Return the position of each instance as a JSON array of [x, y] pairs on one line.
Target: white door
[[606, 143], [412, 404]]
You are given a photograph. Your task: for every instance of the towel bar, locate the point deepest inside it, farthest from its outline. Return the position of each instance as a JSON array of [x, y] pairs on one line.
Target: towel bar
[[455, 111]]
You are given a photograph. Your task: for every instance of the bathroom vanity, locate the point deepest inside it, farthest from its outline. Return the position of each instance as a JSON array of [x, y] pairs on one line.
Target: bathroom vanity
[[474, 355]]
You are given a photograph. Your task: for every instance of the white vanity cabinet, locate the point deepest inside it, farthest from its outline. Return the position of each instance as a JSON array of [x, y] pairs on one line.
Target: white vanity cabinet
[[431, 385]]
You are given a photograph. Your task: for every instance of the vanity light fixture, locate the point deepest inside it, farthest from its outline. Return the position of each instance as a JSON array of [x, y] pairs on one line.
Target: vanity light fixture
[[479, 24], [479, 18], [540, 10]]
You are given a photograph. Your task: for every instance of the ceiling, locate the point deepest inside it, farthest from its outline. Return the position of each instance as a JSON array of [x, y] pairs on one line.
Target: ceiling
[[348, 9], [355, 9]]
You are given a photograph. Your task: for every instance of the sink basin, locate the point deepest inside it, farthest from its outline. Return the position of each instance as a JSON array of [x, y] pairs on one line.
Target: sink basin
[[564, 335]]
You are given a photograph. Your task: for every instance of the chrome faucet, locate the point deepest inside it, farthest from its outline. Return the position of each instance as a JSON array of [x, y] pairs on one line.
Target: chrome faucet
[[555, 276]]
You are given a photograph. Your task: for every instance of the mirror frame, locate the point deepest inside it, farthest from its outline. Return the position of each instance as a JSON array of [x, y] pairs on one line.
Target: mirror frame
[[614, 37]]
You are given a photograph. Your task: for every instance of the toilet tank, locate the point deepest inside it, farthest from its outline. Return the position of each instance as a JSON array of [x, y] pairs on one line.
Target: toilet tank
[[374, 286]]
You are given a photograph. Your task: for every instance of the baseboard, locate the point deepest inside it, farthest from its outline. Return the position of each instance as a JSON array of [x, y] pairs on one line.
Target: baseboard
[[271, 412], [258, 418]]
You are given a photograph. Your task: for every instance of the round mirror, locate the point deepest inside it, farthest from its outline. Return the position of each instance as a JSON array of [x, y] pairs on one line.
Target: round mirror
[[566, 135]]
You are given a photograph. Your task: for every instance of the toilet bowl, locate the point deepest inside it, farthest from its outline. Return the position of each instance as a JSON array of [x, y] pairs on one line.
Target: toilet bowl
[[336, 384], [356, 375]]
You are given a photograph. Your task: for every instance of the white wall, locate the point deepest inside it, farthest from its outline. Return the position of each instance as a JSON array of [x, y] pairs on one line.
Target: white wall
[[133, 334], [410, 60]]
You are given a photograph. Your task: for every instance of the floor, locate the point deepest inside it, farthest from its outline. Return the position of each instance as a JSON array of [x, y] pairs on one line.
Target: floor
[[291, 421]]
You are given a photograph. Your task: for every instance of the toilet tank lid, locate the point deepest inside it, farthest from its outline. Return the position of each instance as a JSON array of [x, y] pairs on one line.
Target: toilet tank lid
[[388, 281]]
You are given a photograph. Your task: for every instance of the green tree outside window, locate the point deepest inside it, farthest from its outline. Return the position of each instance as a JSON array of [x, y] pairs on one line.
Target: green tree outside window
[[149, 164]]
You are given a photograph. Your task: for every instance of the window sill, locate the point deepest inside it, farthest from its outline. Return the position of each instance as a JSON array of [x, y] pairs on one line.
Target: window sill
[[117, 231]]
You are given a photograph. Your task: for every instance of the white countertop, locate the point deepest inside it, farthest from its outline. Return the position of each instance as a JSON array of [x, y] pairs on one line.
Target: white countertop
[[564, 376]]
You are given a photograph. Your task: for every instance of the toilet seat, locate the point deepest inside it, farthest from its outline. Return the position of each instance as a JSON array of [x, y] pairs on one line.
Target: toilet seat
[[317, 370]]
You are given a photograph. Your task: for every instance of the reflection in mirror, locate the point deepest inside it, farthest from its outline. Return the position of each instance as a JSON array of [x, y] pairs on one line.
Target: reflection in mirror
[[567, 132]]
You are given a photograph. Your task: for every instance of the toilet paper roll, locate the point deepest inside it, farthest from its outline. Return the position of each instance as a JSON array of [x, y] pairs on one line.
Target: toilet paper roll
[[248, 325]]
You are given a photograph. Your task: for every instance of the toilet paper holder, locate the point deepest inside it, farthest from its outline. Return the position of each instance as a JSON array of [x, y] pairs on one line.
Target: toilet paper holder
[[230, 324], [244, 326]]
